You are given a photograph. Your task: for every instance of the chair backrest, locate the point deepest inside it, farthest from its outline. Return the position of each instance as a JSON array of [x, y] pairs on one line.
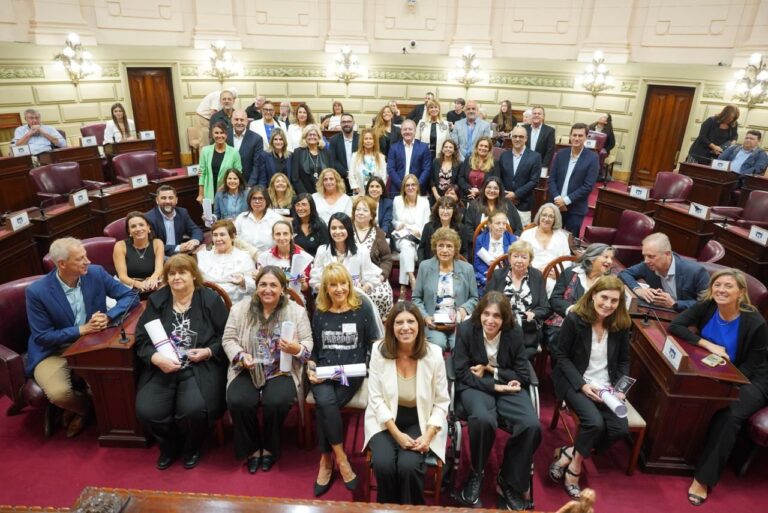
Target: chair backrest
[[758, 293], [481, 227], [633, 227], [14, 328], [557, 266], [136, 163], [497, 151], [671, 186], [59, 178], [116, 229], [599, 138], [712, 252], [96, 130], [295, 297], [221, 292], [756, 208], [500, 260], [99, 251]]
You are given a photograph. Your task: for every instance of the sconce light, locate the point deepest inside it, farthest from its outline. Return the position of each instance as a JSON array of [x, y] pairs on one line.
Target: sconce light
[[596, 78], [221, 65], [76, 60], [346, 67], [467, 70], [750, 85]]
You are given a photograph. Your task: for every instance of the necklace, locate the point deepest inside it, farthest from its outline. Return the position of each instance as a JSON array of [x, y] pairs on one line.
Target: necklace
[[359, 240], [314, 161], [141, 255]]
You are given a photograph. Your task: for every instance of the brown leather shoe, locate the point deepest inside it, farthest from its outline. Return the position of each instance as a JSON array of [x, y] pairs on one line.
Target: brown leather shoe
[[76, 425]]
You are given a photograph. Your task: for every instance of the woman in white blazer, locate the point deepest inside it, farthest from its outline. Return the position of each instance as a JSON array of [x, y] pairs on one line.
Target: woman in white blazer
[[433, 130], [407, 406]]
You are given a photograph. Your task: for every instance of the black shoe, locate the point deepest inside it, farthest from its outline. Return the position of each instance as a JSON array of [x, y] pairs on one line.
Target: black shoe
[[322, 489], [192, 460], [165, 461], [253, 463], [266, 462], [470, 495], [509, 499]]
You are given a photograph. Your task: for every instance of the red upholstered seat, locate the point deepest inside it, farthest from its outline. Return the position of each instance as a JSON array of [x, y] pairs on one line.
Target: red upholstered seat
[[116, 229], [99, 251], [712, 252], [755, 212], [138, 163], [758, 427], [56, 181], [96, 130], [671, 187], [627, 237]]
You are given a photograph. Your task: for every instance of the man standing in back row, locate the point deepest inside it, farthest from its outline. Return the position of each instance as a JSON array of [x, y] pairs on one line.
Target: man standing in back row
[[519, 169], [541, 137]]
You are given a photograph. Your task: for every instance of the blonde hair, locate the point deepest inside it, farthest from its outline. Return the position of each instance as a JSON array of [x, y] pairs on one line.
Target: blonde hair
[[336, 273], [339, 181], [305, 131], [745, 305], [520, 246], [289, 192], [360, 153], [429, 104], [405, 182], [475, 162]]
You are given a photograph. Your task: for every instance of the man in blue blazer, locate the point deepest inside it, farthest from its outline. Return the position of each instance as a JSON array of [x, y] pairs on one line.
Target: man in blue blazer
[[172, 224], [248, 143], [748, 158], [572, 177], [409, 157], [674, 282], [520, 170], [67, 303], [467, 131]]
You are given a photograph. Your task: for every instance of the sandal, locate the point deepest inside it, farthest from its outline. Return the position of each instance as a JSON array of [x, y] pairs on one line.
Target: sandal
[[556, 472], [573, 490], [696, 500]]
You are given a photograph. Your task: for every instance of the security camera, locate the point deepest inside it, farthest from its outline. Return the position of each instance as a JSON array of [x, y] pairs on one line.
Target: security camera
[[413, 43]]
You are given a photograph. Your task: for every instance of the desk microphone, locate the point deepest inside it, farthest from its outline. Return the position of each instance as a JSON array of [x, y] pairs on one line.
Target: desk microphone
[[101, 191], [123, 337]]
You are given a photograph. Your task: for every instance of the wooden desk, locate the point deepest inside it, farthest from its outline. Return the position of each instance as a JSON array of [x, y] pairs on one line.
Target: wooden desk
[[62, 220], [752, 183], [18, 254], [742, 253], [688, 233], [87, 156], [677, 405], [186, 190], [611, 203], [540, 195], [108, 367], [116, 202], [16, 190], [710, 187]]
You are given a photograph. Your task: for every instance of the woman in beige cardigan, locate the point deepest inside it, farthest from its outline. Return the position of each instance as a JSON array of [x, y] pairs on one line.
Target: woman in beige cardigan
[[253, 342]]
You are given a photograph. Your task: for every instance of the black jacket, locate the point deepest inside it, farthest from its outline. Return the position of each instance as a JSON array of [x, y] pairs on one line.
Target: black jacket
[[303, 177], [250, 152], [524, 181], [557, 299], [436, 165], [545, 144], [474, 213], [339, 153], [424, 251], [386, 141], [463, 178]]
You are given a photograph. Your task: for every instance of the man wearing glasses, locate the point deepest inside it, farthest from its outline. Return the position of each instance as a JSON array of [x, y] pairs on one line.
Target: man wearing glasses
[[343, 146], [267, 123], [520, 169]]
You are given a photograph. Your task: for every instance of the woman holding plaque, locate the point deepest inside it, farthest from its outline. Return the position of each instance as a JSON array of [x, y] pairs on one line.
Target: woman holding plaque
[[265, 366], [590, 358], [343, 328], [728, 326], [180, 391]]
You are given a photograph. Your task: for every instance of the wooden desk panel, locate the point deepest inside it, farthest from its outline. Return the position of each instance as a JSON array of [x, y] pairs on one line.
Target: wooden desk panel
[[18, 255], [112, 149], [710, 187], [61, 221], [107, 365], [752, 183], [742, 253], [16, 190], [540, 196], [116, 202], [87, 156], [676, 405], [611, 203], [688, 234]]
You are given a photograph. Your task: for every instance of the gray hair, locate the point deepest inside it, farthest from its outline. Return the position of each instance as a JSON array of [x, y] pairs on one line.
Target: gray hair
[[31, 111], [591, 254], [409, 122], [307, 129], [659, 240], [558, 216], [60, 249]]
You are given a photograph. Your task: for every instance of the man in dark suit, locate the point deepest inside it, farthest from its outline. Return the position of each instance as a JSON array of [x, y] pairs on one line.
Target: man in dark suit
[[172, 224], [520, 169], [67, 303], [409, 157], [418, 111], [248, 143], [674, 282], [343, 146], [541, 137], [571, 179]]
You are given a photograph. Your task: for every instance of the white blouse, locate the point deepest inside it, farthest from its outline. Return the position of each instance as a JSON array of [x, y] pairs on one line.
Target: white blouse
[[558, 247], [359, 266], [219, 268], [597, 370], [361, 173], [112, 133], [411, 217], [294, 136], [257, 233], [325, 210]]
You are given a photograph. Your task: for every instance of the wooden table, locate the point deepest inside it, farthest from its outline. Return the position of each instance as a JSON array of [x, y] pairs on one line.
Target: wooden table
[[87, 156], [107, 365], [677, 405], [710, 186], [742, 253], [16, 190], [116, 202], [611, 203], [752, 183], [18, 254], [61, 220], [688, 234]]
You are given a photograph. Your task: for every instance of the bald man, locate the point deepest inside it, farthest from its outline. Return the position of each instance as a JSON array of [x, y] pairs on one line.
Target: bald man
[[468, 130], [247, 142]]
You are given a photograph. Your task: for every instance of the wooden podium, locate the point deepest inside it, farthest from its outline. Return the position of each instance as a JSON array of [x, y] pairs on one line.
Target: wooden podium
[[87, 156], [677, 404], [710, 186], [116, 202], [688, 233], [107, 365], [18, 254], [61, 220], [742, 253], [752, 183], [16, 190], [611, 203]]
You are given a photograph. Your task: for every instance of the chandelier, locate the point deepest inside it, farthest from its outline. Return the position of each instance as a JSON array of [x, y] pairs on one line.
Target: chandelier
[[76, 60], [221, 65], [467, 70], [750, 85], [596, 77], [346, 66]]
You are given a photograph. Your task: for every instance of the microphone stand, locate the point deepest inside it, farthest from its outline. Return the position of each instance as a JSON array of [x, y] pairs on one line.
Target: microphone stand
[[123, 337]]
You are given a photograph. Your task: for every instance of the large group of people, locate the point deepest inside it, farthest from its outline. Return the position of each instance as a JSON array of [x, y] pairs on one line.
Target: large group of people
[[303, 244]]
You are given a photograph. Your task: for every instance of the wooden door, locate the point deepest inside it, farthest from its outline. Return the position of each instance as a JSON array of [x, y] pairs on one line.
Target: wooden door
[[154, 108], [665, 117]]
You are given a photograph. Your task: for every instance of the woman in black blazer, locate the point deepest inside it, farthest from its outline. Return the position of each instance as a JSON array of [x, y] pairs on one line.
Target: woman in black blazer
[[599, 324], [445, 214], [309, 160], [276, 160], [526, 290], [726, 324], [376, 188], [491, 199], [492, 379]]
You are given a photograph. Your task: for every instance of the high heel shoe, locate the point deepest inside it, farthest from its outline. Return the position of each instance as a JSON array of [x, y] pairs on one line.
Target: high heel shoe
[[556, 471], [346, 468], [321, 489], [573, 490]]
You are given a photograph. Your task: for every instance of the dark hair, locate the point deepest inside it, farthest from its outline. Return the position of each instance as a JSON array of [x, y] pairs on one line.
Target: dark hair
[[460, 101], [580, 126], [729, 111], [756, 133], [221, 126], [347, 114], [380, 182], [388, 347], [444, 201], [165, 188], [183, 262], [310, 116], [455, 158], [497, 298], [457, 190], [345, 220], [501, 204], [136, 213], [312, 208], [257, 310], [253, 191], [124, 128], [241, 185]]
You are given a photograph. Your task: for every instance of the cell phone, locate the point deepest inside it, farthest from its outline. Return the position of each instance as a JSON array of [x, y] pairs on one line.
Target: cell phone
[[713, 360]]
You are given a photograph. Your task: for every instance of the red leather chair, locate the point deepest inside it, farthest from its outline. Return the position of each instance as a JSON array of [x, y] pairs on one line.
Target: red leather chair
[[712, 252], [115, 229], [497, 151], [672, 187], [138, 163], [757, 427], [99, 251], [96, 130], [56, 181], [755, 212], [627, 237]]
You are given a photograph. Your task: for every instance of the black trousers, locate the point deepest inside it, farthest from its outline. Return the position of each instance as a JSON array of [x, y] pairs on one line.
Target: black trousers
[[599, 427], [724, 431], [330, 397], [399, 472], [173, 410], [519, 418], [243, 399]]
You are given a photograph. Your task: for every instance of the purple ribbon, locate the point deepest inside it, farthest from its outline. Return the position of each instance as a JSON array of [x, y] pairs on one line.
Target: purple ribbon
[[340, 375]]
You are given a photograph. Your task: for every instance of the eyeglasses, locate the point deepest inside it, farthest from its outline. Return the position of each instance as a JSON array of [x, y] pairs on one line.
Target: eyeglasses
[[408, 185], [268, 110], [257, 199], [518, 137]]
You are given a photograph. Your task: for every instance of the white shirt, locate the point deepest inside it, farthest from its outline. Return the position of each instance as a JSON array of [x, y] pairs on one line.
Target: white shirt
[[558, 247], [597, 370], [348, 150], [535, 136], [294, 136], [112, 134], [359, 265], [219, 268], [237, 140], [571, 165], [257, 233], [408, 153], [325, 210], [516, 161], [413, 217]]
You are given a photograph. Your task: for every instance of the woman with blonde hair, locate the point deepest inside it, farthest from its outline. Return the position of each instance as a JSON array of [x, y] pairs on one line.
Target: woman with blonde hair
[[433, 130], [367, 162], [331, 195], [386, 132], [476, 168], [281, 194], [411, 213], [308, 160]]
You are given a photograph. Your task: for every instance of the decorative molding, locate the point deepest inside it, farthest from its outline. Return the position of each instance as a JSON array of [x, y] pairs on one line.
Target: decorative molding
[[189, 70], [716, 92], [399, 74], [629, 86], [285, 72], [110, 71], [21, 72], [531, 80]]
